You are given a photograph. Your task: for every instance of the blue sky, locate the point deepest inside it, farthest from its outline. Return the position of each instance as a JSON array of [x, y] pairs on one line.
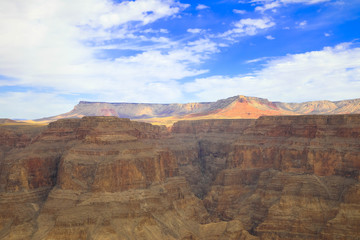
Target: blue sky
[[56, 53]]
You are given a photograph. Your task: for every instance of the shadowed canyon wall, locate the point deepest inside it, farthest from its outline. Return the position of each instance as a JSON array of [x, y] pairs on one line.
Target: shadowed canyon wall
[[286, 177]]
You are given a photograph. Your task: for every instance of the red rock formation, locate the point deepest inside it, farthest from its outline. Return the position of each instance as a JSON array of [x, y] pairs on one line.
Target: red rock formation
[[237, 107]]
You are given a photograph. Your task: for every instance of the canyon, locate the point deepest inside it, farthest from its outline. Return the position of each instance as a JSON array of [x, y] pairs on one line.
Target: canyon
[[104, 177]]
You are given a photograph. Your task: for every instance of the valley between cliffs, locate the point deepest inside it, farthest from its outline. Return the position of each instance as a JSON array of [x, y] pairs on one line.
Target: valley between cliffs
[[275, 177]]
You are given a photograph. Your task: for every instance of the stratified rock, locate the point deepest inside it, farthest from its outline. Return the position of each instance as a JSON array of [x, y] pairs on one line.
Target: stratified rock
[[229, 126], [237, 107], [285, 177]]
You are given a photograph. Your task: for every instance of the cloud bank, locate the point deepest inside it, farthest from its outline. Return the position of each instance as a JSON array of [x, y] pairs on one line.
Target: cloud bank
[[316, 75], [56, 53]]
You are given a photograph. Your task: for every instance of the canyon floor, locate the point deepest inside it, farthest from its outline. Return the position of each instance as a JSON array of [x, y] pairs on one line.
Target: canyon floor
[[275, 177]]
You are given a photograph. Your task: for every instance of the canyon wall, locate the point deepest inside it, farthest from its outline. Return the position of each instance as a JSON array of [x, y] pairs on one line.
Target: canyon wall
[[286, 177]]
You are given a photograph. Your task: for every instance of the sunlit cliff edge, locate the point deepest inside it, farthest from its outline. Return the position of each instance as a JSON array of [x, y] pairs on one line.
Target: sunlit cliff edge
[[237, 107]]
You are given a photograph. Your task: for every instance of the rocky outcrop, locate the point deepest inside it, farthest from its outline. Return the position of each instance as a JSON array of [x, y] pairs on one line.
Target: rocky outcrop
[[237, 107], [18, 136], [284, 177], [321, 145], [100, 177], [229, 126], [288, 178], [348, 213]]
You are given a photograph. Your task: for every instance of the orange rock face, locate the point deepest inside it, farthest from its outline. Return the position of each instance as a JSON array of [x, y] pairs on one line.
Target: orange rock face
[[288, 177], [237, 107]]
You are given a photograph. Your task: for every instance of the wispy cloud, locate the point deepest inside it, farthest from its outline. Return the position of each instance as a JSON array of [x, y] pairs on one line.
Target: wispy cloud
[[57, 46], [269, 37], [249, 27], [316, 75], [57, 52], [201, 7], [265, 5], [194, 30], [304, 1], [256, 60], [302, 23], [238, 11], [61, 46], [31, 105], [268, 6]]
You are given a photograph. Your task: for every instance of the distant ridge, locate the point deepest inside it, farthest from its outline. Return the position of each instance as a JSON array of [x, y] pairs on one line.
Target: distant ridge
[[233, 107], [6, 120]]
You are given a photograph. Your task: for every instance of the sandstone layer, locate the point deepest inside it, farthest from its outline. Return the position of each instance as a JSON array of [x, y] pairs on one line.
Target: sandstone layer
[[288, 177], [237, 107]]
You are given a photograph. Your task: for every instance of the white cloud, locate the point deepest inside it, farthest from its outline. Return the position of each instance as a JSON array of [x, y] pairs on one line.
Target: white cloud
[[249, 27], [302, 23], [44, 38], [272, 4], [268, 6], [237, 11], [60, 45], [33, 105], [256, 60], [145, 11], [55, 45], [161, 30], [325, 74], [220, 86], [201, 7], [194, 30], [304, 1], [327, 34], [269, 37]]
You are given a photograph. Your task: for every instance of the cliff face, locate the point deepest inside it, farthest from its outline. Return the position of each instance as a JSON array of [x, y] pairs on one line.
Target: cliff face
[[284, 177], [289, 177], [237, 107]]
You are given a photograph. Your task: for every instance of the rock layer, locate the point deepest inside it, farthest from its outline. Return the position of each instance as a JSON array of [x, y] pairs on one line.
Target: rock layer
[[237, 107], [288, 177]]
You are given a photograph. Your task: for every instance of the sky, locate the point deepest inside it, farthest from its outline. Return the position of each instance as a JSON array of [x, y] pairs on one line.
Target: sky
[[55, 53]]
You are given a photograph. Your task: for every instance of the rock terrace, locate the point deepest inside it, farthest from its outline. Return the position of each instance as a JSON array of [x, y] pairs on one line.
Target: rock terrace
[[285, 177]]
